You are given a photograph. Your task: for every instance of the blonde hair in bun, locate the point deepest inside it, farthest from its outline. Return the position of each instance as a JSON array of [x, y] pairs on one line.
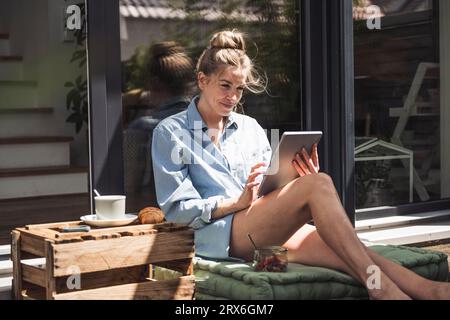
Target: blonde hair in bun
[[227, 48]]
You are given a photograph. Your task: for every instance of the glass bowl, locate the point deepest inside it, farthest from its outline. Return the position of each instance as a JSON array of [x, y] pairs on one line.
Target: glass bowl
[[270, 259]]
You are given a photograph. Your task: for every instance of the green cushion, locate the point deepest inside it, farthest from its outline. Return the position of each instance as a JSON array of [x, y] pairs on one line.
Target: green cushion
[[236, 281]]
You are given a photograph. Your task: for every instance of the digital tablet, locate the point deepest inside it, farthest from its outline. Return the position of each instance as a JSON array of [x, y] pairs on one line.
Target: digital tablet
[[281, 171]]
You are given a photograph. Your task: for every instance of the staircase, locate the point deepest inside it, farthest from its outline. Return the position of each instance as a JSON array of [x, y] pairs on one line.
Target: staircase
[[34, 158]]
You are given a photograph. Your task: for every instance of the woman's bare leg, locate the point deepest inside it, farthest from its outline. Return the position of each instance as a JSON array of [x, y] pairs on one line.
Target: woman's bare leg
[[273, 219], [306, 247]]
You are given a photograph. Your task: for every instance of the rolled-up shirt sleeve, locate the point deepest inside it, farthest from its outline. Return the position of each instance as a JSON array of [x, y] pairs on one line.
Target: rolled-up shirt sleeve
[[175, 193]]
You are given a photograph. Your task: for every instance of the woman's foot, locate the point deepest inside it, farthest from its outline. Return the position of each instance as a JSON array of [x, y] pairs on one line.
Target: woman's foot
[[441, 291], [388, 291]]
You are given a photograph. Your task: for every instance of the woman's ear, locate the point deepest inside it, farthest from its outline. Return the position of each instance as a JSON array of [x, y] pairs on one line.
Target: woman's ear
[[202, 80]]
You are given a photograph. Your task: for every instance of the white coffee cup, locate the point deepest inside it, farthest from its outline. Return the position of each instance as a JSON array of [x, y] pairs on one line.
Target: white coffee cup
[[110, 207]]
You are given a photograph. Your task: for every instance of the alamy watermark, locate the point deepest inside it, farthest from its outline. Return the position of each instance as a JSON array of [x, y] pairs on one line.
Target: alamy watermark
[[374, 17], [73, 21], [374, 280], [74, 280]]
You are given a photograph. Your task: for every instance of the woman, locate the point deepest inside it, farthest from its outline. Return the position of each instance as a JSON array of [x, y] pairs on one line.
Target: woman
[[207, 160]]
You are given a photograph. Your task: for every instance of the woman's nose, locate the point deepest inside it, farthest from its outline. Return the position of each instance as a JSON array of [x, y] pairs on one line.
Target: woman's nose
[[233, 96]]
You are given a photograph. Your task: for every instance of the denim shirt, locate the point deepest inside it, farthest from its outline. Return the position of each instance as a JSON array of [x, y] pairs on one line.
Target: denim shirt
[[192, 174]]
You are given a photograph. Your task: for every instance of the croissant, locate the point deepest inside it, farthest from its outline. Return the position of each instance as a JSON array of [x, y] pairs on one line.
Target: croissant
[[151, 215]]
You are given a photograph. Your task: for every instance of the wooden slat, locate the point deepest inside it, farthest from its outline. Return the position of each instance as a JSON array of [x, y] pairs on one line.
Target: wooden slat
[[101, 236], [32, 244], [130, 230], [34, 275], [103, 279], [133, 230], [52, 225], [39, 233], [49, 269], [184, 266], [17, 270], [178, 289], [91, 256]]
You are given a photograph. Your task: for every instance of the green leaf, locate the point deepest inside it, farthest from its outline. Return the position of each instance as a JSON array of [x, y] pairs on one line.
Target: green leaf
[[78, 80], [78, 126], [68, 84], [80, 54], [74, 118], [69, 97]]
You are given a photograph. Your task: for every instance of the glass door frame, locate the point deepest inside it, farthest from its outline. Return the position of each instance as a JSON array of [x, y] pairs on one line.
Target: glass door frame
[[326, 31], [327, 71], [328, 89], [105, 100]]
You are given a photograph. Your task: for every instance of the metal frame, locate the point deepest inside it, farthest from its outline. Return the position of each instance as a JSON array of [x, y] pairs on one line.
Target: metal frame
[[326, 28], [328, 94], [105, 96]]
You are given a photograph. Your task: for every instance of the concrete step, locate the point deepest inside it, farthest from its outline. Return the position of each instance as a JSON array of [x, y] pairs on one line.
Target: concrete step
[[6, 267], [37, 182], [18, 94], [411, 234], [5, 250], [5, 288], [29, 122], [5, 48], [29, 152], [11, 68], [397, 221]]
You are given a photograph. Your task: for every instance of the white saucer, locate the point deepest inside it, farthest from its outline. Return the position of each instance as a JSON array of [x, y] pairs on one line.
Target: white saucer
[[92, 220]]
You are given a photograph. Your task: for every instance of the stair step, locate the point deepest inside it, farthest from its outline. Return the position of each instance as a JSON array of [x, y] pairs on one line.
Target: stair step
[[32, 140], [41, 171], [11, 68], [6, 288], [5, 58], [29, 152], [25, 110], [395, 221], [18, 94], [5, 48], [6, 267], [37, 182], [5, 250], [19, 122], [18, 83], [407, 235]]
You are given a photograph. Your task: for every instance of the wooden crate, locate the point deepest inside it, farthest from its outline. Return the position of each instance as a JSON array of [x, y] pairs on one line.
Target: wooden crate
[[110, 263]]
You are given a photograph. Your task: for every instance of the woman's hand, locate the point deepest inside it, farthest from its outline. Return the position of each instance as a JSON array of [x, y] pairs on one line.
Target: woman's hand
[[250, 190], [306, 164]]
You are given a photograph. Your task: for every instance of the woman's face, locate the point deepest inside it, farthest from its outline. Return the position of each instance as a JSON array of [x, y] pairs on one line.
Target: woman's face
[[222, 90]]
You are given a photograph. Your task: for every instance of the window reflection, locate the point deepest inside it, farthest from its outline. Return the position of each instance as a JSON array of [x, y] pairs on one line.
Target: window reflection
[[272, 27], [398, 110], [44, 156]]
